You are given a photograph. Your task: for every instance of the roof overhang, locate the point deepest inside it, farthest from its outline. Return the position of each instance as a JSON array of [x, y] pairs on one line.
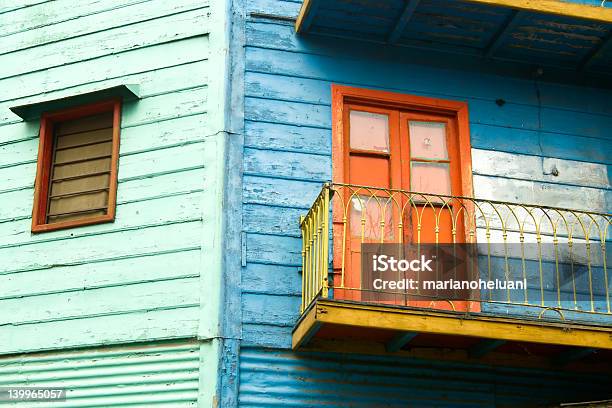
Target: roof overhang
[[33, 109], [553, 33]]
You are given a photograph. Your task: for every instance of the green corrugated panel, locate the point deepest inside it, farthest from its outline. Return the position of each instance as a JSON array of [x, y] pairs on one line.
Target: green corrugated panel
[[161, 375]]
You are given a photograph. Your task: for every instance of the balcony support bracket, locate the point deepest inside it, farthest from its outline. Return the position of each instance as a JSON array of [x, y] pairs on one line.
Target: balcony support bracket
[[573, 354], [484, 347], [400, 341]]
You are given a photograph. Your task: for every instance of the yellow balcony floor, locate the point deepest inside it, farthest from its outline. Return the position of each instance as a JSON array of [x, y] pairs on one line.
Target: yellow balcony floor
[[399, 328]]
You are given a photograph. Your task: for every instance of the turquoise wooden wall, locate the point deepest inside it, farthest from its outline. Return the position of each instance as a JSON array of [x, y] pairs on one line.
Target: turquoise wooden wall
[[287, 152], [154, 273]]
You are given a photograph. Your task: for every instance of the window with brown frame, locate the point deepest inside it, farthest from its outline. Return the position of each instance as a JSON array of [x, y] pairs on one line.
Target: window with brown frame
[[76, 178]]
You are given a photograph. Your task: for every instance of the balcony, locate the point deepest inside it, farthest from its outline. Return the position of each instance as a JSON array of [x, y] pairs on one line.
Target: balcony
[[558, 253]]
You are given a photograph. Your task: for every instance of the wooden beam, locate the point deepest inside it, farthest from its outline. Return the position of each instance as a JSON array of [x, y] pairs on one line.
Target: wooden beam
[[402, 21], [306, 16], [573, 354], [306, 328], [554, 7], [399, 341], [327, 311], [604, 46], [501, 35], [483, 347]]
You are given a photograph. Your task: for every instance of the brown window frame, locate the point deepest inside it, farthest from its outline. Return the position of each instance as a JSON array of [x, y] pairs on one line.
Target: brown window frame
[[45, 156]]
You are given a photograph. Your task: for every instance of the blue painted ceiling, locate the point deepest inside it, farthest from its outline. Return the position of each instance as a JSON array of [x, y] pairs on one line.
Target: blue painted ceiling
[[461, 27]]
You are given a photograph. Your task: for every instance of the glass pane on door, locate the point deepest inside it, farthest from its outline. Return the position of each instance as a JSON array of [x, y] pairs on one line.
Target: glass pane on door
[[369, 131], [428, 140], [432, 178]]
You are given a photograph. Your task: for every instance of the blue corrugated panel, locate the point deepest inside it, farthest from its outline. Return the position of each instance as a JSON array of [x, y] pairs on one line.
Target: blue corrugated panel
[[272, 378]]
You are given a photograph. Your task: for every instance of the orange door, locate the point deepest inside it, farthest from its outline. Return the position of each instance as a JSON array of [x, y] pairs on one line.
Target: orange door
[[431, 165], [370, 160], [398, 149]]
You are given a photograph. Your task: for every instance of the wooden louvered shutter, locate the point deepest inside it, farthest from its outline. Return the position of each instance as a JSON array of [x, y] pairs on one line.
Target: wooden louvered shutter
[[80, 176], [76, 178]]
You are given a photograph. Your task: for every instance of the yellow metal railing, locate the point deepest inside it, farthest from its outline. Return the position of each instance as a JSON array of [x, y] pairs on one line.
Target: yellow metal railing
[[315, 248], [561, 252]]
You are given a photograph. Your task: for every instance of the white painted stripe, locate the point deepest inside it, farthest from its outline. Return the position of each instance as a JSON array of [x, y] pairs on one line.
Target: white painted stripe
[[534, 168]]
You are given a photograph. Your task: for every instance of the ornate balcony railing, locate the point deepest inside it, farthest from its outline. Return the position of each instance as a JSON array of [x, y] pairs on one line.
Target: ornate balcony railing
[[560, 253]]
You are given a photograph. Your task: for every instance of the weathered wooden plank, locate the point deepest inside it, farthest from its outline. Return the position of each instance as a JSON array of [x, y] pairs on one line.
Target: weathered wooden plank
[[274, 250], [154, 324], [18, 177], [265, 309], [292, 88], [18, 4], [179, 130], [115, 300], [285, 193], [164, 107], [15, 153], [533, 192], [515, 166], [138, 64], [267, 219], [162, 161], [271, 279], [287, 113], [18, 131], [127, 271], [275, 136], [277, 8], [56, 20], [171, 28], [287, 165], [101, 246], [572, 147], [39, 15], [12, 6], [260, 335]]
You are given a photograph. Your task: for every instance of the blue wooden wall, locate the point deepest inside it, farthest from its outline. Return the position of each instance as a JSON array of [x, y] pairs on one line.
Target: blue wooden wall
[[287, 148]]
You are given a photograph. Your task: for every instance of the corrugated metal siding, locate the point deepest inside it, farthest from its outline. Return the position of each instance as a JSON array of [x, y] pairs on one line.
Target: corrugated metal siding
[[161, 375], [270, 378]]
